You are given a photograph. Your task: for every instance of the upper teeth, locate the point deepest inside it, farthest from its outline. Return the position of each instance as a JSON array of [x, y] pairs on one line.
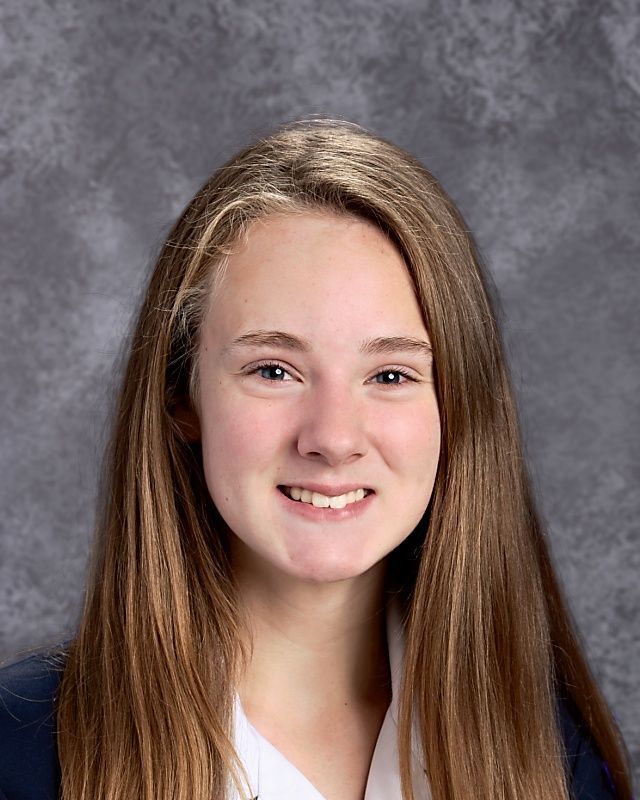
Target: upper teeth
[[323, 500]]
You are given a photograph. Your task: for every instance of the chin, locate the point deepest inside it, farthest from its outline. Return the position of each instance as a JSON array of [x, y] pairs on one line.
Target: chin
[[327, 570]]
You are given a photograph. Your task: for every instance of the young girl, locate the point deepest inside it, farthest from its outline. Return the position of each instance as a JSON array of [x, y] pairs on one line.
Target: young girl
[[319, 572]]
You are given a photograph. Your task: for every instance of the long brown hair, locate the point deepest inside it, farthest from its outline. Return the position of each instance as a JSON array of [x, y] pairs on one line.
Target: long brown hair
[[145, 705]]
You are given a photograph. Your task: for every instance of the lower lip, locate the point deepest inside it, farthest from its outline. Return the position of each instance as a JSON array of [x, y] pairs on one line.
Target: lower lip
[[309, 511]]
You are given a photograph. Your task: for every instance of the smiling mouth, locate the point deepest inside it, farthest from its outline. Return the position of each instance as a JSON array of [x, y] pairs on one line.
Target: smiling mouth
[[319, 500]]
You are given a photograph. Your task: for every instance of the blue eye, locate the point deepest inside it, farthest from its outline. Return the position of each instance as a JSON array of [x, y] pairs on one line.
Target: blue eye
[[395, 375], [273, 372], [277, 371]]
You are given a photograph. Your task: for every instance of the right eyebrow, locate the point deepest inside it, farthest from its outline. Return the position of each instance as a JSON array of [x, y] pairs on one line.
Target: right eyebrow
[[269, 339]]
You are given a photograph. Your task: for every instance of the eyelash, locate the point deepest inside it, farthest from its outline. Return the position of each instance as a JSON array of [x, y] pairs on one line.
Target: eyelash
[[395, 370]]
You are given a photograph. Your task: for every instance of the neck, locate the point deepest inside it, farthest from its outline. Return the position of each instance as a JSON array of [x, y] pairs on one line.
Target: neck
[[317, 648]]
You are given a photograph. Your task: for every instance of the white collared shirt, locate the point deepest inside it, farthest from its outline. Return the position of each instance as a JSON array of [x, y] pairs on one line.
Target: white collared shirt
[[273, 777]]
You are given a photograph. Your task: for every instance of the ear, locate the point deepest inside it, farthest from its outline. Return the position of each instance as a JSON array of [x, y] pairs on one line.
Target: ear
[[187, 421]]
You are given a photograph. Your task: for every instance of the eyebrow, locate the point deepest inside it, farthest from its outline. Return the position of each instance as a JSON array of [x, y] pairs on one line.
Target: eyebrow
[[380, 345]]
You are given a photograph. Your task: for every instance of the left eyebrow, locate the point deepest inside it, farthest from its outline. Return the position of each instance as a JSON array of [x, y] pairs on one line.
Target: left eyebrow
[[386, 345], [380, 345]]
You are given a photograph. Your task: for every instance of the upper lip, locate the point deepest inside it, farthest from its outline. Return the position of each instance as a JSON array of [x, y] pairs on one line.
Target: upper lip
[[327, 489]]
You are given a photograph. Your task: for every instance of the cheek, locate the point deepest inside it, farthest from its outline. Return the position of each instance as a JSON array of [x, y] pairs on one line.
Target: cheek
[[236, 437], [411, 441]]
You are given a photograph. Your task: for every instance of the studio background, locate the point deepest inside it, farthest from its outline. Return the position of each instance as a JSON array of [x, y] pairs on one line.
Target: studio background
[[113, 114]]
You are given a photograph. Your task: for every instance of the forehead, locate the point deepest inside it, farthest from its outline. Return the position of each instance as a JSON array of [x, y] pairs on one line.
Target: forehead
[[317, 273]]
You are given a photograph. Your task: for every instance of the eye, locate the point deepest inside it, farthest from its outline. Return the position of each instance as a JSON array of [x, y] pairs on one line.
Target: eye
[[395, 375], [270, 371]]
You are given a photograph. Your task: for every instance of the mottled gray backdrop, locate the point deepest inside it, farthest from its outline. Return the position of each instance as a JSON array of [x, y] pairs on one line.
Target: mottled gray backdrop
[[112, 114]]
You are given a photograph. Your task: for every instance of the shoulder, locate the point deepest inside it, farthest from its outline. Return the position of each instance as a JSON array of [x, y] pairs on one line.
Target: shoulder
[[28, 757], [589, 777]]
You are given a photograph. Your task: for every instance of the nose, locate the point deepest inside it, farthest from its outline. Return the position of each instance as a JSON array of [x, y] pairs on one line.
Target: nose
[[332, 428]]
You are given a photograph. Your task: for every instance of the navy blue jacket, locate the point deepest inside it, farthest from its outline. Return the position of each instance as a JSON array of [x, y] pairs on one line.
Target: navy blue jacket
[[29, 768]]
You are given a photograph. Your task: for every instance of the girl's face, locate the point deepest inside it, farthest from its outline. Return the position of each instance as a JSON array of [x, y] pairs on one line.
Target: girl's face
[[316, 375]]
